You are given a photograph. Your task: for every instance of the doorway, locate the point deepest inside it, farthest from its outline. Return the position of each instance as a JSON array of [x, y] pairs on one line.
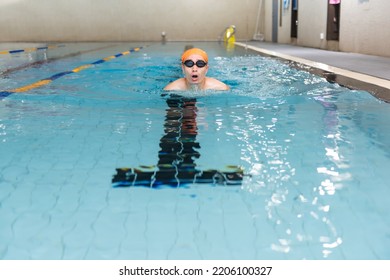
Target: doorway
[[275, 12], [333, 22], [294, 19]]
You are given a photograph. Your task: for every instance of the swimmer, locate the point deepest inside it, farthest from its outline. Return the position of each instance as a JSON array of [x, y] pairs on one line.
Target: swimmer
[[195, 66]]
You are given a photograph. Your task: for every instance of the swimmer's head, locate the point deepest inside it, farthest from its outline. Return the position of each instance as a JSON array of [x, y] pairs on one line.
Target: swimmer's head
[[196, 51]]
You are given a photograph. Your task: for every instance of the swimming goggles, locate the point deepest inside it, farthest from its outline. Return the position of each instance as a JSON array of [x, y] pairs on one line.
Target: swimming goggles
[[199, 63]]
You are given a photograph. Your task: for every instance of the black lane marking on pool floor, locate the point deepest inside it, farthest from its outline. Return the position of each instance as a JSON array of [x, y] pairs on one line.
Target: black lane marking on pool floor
[[179, 148]]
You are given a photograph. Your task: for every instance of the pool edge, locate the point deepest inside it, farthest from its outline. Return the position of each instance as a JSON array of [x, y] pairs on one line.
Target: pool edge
[[378, 87]]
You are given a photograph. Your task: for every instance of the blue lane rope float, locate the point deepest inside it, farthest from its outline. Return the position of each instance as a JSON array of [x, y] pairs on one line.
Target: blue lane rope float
[[46, 81]]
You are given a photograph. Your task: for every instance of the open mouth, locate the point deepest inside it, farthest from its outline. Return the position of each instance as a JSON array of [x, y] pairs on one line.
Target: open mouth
[[194, 76]]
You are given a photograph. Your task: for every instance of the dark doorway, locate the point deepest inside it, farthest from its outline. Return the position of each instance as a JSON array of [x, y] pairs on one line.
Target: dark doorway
[[275, 12], [333, 25], [294, 19]]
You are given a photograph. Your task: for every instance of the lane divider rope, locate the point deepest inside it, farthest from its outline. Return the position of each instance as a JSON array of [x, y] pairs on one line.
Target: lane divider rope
[[47, 60], [31, 49], [46, 81]]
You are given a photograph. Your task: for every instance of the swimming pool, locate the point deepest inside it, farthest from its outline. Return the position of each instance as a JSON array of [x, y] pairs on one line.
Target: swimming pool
[[314, 158]]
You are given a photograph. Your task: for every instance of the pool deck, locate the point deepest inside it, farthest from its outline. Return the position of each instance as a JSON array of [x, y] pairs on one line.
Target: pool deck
[[356, 71]]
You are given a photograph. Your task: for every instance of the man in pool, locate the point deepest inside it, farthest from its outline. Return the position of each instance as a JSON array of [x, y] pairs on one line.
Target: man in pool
[[195, 67]]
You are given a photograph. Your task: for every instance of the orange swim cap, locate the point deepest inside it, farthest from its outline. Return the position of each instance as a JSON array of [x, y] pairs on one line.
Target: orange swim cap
[[192, 51]]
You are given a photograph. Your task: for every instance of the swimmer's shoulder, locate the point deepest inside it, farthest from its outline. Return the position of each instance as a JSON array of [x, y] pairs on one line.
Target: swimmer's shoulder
[[212, 83], [179, 84]]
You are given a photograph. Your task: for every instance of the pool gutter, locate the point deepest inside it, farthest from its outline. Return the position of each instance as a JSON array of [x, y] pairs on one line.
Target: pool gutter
[[380, 88]]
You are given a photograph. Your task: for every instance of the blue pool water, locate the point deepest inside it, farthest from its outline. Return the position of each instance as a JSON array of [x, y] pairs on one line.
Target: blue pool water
[[314, 155]]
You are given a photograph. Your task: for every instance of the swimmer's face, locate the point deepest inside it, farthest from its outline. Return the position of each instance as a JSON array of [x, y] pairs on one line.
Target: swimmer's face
[[195, 75]]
